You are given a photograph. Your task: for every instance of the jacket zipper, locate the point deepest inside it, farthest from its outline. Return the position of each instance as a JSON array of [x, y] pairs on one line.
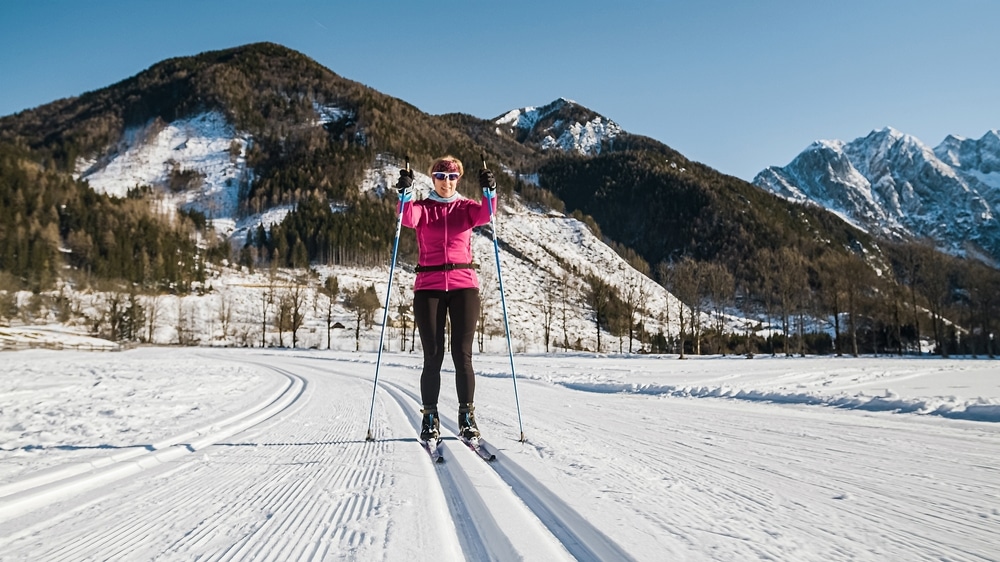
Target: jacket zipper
[[447, 208]]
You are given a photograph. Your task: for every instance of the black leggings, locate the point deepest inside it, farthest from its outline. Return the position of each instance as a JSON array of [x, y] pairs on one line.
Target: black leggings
[[430, 308]]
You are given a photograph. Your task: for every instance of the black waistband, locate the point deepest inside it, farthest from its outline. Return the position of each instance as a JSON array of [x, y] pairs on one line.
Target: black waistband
[[446, 267]]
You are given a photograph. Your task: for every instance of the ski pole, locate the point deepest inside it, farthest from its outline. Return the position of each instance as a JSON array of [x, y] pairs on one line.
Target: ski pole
[[385, 313], [503, 302]]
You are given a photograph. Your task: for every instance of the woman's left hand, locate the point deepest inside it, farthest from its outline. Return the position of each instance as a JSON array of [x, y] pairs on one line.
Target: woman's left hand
[[487, 182]]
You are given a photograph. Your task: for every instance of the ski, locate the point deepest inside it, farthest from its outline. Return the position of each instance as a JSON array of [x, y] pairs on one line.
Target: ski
[[478, 446], [433, 449]]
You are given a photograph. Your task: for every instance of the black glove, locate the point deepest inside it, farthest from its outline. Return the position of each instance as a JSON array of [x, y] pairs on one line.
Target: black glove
[[486, 180], [405, 181]]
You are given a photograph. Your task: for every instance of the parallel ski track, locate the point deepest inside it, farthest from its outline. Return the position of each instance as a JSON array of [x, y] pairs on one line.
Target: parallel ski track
[[31, 493], [313, 484], [315, 501], [479, 533], [577, 535], [280, 489]]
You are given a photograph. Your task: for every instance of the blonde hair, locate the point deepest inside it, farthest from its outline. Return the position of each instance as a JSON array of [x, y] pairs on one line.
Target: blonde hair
[[443, 164]]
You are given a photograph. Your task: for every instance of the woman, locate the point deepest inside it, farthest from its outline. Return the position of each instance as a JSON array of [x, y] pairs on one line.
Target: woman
[[446, 285]]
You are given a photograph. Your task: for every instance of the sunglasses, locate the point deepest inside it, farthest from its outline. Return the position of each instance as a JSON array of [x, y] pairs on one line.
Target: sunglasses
[[446, 176]]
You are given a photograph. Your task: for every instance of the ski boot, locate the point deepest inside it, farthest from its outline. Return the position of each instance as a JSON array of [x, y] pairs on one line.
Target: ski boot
[[430, 426], [467, 421]]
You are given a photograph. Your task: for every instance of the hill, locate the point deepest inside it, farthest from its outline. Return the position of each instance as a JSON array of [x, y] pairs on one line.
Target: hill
[[259, 156]]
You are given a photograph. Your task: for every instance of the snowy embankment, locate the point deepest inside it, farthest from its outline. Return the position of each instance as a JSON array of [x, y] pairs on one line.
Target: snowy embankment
[[930, 386]]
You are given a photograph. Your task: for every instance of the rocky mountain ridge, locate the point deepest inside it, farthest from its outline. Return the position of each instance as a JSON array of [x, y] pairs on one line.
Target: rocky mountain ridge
[[892, 184]]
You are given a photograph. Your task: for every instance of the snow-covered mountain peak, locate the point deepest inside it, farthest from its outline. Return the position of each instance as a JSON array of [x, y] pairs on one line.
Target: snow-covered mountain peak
[[527, 117], [560, 125], [981, 155], [891, 183], [822, 145], [880, 142]]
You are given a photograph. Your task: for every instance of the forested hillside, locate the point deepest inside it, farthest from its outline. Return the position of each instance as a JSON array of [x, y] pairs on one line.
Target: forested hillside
[[714, 240], [49, 220]]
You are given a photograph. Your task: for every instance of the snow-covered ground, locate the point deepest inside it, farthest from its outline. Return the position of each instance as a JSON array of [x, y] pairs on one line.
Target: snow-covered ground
[[225, 454]]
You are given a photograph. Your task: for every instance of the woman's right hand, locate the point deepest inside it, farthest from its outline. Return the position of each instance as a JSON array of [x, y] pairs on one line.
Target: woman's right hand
[[405, 181], [404, 186]]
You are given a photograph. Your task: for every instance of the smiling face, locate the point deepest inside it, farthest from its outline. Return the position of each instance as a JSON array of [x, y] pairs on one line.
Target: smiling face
[[445, 172], [445, 183]]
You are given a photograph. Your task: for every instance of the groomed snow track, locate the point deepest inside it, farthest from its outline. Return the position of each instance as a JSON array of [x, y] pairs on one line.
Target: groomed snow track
[[493, 504], [293, 478], [60, 483]]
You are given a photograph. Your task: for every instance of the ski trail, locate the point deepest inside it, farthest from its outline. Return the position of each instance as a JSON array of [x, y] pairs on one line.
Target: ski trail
[[303, 484], [478, 531], [579, 536], [60, 483], [493, 523], [564, 526]]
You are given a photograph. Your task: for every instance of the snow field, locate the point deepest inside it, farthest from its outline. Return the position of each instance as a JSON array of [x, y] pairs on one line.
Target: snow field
[[608, 472]]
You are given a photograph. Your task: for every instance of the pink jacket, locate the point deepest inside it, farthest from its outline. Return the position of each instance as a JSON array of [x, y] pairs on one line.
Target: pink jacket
[[444, 236]]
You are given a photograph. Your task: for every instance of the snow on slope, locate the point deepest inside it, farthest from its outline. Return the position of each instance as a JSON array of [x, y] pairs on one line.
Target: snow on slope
[[147, 156]]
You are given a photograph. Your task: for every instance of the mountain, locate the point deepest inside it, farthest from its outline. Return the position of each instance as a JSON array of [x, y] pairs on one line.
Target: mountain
[[258, 157], [562, 125], [241, 136], [894, 186]]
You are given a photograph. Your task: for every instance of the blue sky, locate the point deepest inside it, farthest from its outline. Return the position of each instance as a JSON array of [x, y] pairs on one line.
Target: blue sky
[[736, 85]]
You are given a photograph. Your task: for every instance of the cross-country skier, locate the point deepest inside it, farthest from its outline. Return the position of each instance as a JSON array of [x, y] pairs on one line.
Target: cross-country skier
[[446, 284]]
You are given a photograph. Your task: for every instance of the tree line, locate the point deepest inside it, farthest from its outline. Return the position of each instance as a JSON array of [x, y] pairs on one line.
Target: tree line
[[48, 220]]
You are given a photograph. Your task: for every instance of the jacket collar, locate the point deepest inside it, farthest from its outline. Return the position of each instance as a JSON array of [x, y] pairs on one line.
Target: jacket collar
[[434, 196]]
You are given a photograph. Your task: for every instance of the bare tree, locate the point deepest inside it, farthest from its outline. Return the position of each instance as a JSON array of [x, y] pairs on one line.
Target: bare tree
[[153, 306], [564, 306], [687, 284], [550, 299], [984, 291], [909, 274], [264, 304], [858, 279], [664, 276], [363, 302], [933, 280], [283, 319], [403, 309], [186, 333], [330, 289], [297, 301], [635, 303], [225, 315], [599, 299], [832, 292], [790, 284], [720, 286]]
